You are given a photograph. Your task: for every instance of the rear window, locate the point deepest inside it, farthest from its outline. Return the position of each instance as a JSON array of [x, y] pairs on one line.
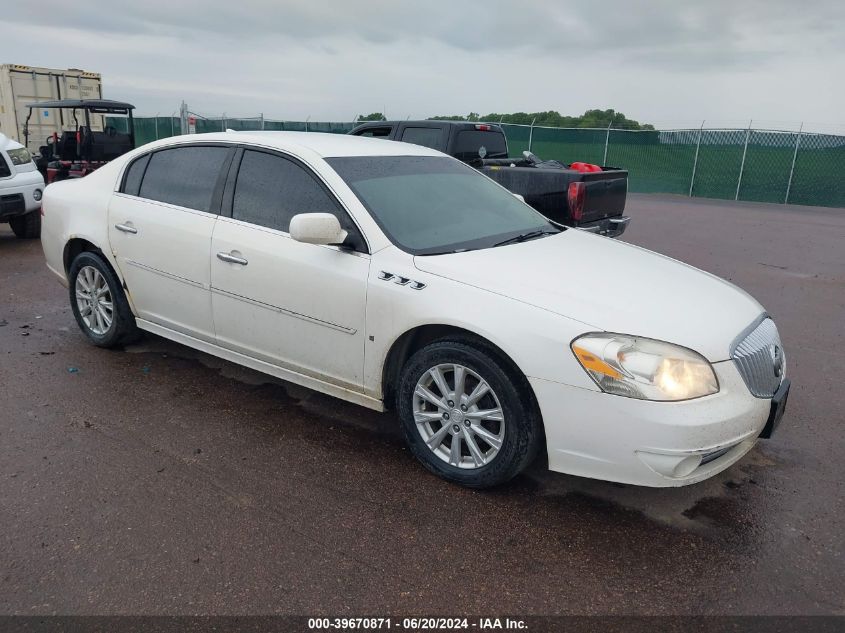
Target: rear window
[[184, 176], [469, 144], [425, 136]]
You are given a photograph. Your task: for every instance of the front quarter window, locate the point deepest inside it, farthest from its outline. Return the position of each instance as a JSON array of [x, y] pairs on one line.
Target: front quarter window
[[431, 205]]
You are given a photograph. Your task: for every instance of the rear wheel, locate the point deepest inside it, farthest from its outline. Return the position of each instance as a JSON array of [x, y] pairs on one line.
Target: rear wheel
[[466, 415], [99, 303], [27, 226]]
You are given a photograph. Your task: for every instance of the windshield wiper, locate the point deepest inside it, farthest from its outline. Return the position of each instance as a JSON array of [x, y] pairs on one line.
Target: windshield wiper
[[522, 237], [449, 252]]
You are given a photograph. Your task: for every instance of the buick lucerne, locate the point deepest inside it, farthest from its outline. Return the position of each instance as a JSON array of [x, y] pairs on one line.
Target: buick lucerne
[[396, 277]]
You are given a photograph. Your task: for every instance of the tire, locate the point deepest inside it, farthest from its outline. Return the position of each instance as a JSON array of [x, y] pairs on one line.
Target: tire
[[111, 327], [27, 226], [517, 434]]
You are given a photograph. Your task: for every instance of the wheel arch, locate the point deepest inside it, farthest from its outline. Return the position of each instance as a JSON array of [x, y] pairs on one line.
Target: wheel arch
[[77, 245], [418, 337]]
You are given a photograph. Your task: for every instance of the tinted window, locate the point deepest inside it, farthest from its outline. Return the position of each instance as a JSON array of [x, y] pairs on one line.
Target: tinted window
[[469, 142], [132, 180], [425, 136], [431, 204], [270, 190], [5, 170], [375, 131], [185, 176]]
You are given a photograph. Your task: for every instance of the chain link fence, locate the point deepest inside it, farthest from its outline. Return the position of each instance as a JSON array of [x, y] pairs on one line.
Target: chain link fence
[[752, 165]]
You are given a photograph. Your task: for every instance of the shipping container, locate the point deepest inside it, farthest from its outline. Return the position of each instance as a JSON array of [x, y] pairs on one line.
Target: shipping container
[[20, 85]]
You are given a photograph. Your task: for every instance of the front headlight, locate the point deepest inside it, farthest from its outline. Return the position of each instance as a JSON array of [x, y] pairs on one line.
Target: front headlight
[[644, 368]]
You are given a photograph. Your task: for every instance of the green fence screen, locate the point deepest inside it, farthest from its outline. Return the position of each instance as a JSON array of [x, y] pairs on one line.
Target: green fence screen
[[752, 165]]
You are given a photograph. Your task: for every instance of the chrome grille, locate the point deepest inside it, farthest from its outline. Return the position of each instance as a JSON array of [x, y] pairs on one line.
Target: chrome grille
[[760, 359]]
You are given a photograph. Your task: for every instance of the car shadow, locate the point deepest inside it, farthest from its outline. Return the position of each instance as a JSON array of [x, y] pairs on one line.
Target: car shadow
[[716, 508]]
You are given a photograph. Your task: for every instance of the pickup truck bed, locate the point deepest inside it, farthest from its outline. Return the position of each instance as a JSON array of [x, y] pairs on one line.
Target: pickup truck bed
[[547, 190], [592, 201]]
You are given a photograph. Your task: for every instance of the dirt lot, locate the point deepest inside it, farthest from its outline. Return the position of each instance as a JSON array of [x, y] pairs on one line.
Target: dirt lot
[[159, 480]]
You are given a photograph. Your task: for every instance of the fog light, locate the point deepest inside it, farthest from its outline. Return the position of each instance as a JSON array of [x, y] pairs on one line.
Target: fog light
[[37, 195], [674, 466], [686, 466]]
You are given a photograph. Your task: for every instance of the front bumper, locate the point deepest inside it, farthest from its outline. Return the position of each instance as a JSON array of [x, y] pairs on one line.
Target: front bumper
[[609, 227], [17, 194], [593, 434]]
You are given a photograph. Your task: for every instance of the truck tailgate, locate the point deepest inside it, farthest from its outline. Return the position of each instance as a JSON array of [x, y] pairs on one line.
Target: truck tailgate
[[606, 193], [546, 190]]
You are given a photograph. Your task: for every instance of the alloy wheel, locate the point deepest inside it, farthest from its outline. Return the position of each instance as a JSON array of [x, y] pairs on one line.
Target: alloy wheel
[[94, 300], [458, 416]]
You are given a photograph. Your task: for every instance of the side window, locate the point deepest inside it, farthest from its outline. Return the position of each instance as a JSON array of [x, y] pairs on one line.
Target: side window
[[425, 136], [270, 190], [379, 132], [185, 176], [132, 179]]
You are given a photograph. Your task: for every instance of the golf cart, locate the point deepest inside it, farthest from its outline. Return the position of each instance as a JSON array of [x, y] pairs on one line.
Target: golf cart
[[76, 153]]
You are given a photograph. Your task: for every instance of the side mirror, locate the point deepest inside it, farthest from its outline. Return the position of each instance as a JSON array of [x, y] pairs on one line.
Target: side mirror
[[317, 228], [519, 197]]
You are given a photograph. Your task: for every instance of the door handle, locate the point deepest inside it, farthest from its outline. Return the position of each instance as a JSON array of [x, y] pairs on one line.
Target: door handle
[[126, 228], [232, 259]]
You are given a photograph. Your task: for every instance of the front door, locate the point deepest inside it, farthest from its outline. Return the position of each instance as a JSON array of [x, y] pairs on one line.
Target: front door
[[299, 306]]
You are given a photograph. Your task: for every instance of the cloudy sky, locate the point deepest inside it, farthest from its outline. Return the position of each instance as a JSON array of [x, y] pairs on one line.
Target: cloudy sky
[[672, 62]]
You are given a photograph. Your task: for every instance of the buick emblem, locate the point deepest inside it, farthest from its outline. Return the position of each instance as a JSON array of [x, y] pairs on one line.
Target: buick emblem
[[777, 359]]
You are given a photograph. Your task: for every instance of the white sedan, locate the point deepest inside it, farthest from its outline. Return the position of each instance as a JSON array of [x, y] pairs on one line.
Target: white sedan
[[396, 277]]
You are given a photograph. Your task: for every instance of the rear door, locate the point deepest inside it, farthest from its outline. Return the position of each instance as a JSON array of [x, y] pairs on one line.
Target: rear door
[[160, 226], [298, 306]]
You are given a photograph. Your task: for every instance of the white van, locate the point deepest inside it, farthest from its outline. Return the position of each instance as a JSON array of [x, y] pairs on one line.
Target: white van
[[21, 188]]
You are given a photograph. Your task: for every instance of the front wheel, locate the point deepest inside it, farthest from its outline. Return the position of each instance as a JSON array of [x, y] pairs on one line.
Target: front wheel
[[27, 226], [98, 302], [466, 415]]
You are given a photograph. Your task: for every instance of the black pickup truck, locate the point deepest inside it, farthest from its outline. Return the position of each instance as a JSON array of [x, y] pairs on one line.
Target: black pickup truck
[[588, 197]]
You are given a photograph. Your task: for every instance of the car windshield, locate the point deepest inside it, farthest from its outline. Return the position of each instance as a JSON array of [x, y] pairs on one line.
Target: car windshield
[[20, 156], [430, 205]]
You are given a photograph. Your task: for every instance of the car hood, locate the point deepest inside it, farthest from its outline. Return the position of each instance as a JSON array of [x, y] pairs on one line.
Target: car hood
[[611, 286]]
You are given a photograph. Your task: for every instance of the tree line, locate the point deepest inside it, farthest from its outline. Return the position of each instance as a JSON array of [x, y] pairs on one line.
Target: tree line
[[551, 118]]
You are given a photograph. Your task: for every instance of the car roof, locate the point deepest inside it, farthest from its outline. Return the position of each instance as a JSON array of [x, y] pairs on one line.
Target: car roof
[[321, 143]]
